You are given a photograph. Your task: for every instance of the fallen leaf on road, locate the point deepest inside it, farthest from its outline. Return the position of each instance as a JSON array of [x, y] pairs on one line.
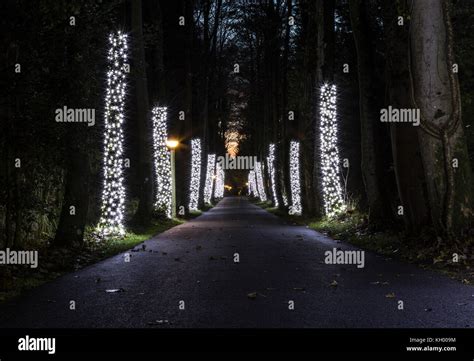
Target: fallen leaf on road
[[212, 258], [428, 309], [252, 295], [298, 288], [115, 290], [158, 322], [164, 253], [466, 281], [97, 280], [333, 283], [177, 259], [390, 295], [198, 248]]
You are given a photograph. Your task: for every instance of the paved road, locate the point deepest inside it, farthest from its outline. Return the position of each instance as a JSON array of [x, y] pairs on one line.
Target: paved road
[[279, 262]]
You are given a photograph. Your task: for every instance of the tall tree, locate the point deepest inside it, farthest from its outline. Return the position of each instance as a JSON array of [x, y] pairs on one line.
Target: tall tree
[[446, 166], [404, 138], [145, 157], [370, 105]]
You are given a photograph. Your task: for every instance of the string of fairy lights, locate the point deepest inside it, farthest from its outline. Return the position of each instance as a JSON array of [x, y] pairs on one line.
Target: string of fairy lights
[[295, 186], [162, 159], [195, 174], [271, 172], [252, 184], [330, 178], [113, 193], [210, 176], [260, 186], [220, 179]]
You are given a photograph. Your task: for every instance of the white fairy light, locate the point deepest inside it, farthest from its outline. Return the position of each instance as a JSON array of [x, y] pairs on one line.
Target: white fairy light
[[252, 184], [295, 186], [195, 174], [271, 172], [260, 187], [113, 193], [162, 158], [220, 178], [211, 167], [331, 183]]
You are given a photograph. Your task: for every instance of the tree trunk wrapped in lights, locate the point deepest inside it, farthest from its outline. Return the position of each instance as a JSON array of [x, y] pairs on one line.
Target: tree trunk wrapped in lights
[[162, 159], [252, 184], [195, 174], [210, 170], [295, 208], [260, 186], [271, 172], [220, 178], [113, 194], [330, 176]]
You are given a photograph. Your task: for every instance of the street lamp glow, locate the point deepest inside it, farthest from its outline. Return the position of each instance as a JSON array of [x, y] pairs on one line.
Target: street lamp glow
[[172, 143]]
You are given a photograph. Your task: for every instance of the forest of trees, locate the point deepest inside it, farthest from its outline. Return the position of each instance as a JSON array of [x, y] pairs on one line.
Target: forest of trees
[[251, 70]]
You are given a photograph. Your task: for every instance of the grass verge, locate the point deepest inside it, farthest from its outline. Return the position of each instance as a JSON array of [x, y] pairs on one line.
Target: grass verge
[[425, 250], [16, 279]]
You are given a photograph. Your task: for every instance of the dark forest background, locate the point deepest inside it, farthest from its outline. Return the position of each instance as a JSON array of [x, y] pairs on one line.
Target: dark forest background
[[283, 51]]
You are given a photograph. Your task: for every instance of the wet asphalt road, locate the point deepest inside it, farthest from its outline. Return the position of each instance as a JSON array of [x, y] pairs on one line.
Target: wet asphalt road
[[194, 263]]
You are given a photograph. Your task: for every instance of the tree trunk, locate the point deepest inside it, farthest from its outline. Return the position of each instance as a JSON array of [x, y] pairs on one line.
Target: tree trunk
[[436, 94], [369, 113], [72, 222], [404, 139], [145, 163], [183, 153]]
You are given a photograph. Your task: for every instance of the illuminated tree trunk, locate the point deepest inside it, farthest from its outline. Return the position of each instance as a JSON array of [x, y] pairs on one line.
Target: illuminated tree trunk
[[113, 192], [308, 117], [323, 13]]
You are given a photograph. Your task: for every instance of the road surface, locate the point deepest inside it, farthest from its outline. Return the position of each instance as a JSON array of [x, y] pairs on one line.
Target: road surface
[[187, 277]]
